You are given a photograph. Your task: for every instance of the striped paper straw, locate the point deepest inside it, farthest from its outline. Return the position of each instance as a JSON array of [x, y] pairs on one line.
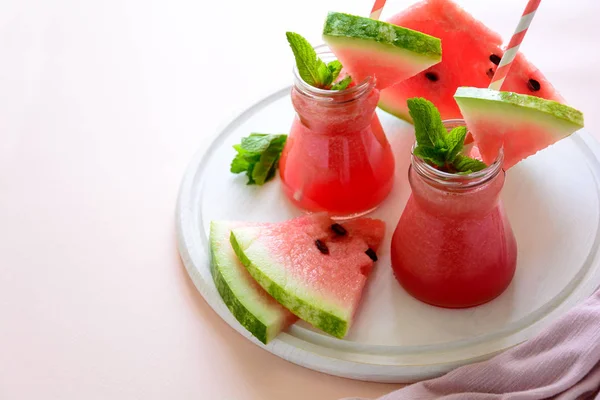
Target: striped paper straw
[[377, 8], [515, 43]]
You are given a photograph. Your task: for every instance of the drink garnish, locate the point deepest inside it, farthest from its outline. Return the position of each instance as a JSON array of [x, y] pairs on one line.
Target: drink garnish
[[258, 156], [312, 69], [435, 145]]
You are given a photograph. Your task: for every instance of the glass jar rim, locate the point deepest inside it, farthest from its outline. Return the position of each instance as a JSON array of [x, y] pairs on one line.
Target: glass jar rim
[[331, 96], [456, 181]]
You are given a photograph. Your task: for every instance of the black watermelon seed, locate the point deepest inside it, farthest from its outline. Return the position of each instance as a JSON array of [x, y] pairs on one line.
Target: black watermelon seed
[[490, 73], [432, 76], [533, 85], [322, 247], [495, 59], [338, 229], [371, 253]]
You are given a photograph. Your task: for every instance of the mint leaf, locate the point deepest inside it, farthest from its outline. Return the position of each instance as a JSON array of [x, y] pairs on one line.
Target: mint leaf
[[271, 173], [249, 174], [263, 167], [455, 141], [343, 84], [256, 143], [335, 67], [258, 156], [269, 159], [242, 160], [324, 74], [306, 59], [429, 128], [311, 68], [430, 154], [467, 165], [239, 164]]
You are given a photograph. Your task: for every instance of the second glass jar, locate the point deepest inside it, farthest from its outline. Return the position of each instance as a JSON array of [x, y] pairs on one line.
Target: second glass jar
[[454, 246]]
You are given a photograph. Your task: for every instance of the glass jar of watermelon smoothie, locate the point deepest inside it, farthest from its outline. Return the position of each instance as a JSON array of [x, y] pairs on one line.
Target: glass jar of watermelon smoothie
[[454, 246], [337, 158]]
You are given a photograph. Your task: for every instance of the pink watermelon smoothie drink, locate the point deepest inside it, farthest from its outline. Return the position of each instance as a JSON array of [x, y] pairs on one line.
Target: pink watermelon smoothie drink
[[337, 157], [454, 246]]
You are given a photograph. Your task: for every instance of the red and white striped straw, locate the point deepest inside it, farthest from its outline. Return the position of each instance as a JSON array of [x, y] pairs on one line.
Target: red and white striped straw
[[515, 43], [377, 8]]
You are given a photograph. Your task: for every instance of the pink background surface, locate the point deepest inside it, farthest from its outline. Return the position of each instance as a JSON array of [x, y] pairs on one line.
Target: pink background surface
[[103, 104]]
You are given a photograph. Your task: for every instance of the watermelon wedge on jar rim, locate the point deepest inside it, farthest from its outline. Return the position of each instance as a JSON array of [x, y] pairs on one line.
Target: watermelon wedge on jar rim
[[368, 47], [520, 124]]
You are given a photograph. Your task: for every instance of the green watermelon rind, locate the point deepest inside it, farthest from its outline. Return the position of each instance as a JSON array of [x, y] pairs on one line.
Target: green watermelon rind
[[260, 322], [353, 30], [309, 308], [493, 101], [241, 313], [382, 105]]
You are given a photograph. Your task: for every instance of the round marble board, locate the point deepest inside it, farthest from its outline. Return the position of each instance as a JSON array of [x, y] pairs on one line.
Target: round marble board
[[552, 200]]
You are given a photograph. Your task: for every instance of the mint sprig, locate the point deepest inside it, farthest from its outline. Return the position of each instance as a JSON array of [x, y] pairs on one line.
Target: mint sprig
[[429, 128], [430, 154], [258, 156], [467, 165], [455, 140], [437, 146], [335, 67], [312, 69]]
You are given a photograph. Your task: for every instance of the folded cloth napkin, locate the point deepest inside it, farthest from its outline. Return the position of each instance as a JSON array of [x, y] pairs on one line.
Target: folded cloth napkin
[[562, 363]]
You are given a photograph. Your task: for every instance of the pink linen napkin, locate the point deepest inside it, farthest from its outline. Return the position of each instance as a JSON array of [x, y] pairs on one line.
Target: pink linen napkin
[[562, 363]]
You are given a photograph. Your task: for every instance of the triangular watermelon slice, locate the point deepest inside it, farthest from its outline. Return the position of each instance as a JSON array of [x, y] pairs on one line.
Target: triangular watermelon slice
[[315, 268], [471, 54], [368, 47], [522, 125], [248, 302]]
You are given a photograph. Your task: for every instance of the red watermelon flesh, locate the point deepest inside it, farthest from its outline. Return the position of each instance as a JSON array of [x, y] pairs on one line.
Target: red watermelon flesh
[[525, 78], [468, 49], [320, 283]]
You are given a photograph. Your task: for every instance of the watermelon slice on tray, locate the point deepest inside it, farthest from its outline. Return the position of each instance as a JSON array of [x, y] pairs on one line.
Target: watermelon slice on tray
[[258, 312], [315, 268], [471, 54], [368, 47], [522, 125]]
